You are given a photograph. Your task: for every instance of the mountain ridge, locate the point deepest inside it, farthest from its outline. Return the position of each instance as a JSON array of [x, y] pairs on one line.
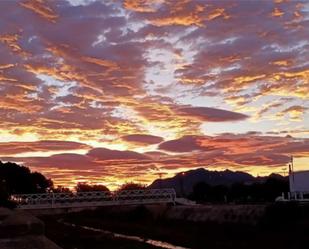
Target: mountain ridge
[[184, 182]]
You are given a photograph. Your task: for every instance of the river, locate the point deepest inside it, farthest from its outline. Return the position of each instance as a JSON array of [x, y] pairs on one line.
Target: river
[[157, 243]]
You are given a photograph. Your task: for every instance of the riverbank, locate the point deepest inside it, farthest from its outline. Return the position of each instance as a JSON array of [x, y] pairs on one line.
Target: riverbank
[[21, 230], [74, 237], [279, 227]]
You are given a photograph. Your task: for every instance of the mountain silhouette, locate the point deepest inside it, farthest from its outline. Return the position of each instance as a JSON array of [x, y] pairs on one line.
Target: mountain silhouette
[[184, 182]]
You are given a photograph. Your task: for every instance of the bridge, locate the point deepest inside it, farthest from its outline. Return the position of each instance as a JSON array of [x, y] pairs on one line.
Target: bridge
[[93, 199]]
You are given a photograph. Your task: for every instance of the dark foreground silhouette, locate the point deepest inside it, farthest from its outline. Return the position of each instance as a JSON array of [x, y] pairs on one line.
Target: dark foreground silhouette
[[283, 226], [200, 185]]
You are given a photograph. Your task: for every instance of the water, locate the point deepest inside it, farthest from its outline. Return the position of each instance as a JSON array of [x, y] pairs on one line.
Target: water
[[157, 243]]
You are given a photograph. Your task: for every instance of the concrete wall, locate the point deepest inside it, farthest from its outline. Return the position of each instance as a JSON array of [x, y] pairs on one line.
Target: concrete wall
[[245, 214], [55, 211], [21, 230]]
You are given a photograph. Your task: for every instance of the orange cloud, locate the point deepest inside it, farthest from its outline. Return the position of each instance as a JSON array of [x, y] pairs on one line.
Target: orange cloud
[[6, 66], [20, 103], [142, 139], [242, 151], [184, 13], [124, 76], [40, 8], [100, 62], [11, 40], [220, 12], [281, 63], [14, 148], [231, 147], [295, 112], [277, 13], [185, 20], [141, 5], [211, 114]]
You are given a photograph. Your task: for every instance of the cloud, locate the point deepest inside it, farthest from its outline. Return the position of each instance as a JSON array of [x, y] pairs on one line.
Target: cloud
[[129, 74], [211, 114], [183, 144], [291, 131], [140, 5], [230, 57], [243, 149], [60, 76], [103, 154], [269, 106], [295, 112], [156, 154], [180, 13], [14, 148], [238, 151], [63, 69], [68, 161], [41, 9], [142, 139]]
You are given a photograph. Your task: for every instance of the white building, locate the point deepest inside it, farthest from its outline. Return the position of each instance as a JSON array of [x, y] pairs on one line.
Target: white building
[[299, 181], [299, 185]]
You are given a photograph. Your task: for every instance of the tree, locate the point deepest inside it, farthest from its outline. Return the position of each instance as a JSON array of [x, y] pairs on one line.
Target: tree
[[42, 184], [4, 196], [61, 189], [274, 187], [200, 191], [20, 180], [132, 186], [85, 187], [16, 179], [218, 193], [240, 192], [260, 191]]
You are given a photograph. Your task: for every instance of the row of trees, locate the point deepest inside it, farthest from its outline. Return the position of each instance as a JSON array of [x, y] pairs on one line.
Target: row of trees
[[16, 179], [264, 191], [85, 187]]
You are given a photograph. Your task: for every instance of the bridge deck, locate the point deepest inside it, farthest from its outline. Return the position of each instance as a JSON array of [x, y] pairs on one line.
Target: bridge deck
[[93, 199]]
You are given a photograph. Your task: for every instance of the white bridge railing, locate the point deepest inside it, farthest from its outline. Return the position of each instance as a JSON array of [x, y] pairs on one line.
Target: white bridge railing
[[93, 199], [298, 196]]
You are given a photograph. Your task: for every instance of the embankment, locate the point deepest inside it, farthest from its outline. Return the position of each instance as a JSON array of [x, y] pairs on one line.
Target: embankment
[[208, 226], [21, 230]]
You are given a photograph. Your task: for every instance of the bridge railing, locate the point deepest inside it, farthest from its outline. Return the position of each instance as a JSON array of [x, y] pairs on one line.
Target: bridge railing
[[97, 198]]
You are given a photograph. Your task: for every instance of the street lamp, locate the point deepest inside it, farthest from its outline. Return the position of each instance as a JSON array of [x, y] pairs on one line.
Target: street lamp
[[182, 175]]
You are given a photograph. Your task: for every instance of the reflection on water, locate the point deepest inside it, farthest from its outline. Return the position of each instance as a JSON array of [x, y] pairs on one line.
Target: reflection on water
[[157, 243]]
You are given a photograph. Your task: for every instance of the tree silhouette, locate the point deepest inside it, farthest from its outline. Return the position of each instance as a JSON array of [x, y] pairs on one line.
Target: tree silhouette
[[61, 189], [20, 180], [132, 186], [262, 191], [200, 191], [85, 187], [16, 179]]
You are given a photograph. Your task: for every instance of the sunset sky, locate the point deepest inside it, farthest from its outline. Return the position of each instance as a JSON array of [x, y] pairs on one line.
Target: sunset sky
[[115, 91]]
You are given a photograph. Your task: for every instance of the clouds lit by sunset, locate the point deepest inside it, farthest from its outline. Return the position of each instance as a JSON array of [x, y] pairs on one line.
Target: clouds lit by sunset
[[116, 91]]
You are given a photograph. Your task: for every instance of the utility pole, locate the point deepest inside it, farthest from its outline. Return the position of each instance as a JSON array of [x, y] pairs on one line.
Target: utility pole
[[181, 184], [160, 177]]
